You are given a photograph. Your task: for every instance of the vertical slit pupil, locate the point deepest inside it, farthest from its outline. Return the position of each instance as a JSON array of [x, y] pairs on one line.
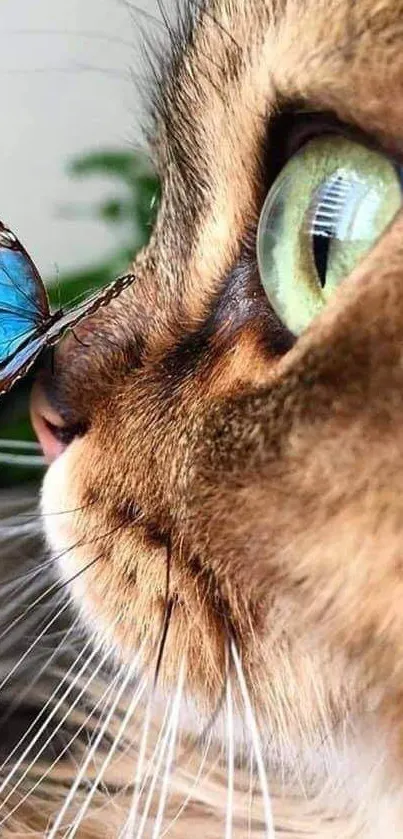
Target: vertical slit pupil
[[330, 201], [320, 255]]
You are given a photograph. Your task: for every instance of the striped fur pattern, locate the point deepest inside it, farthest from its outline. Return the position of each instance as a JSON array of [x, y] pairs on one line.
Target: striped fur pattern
[[59, 687], [223, 530]]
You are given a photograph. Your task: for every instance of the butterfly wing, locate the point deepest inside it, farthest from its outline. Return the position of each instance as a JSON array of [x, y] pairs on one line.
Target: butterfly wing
[[23, 301], [88, 307], [24, 309], [26, 332], [16, 366]]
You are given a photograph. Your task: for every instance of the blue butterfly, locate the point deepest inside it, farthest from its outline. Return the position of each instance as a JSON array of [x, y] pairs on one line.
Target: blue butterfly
[[27, 325]]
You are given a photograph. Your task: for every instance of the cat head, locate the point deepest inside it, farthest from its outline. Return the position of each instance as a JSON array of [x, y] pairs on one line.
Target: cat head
[[219, 480]]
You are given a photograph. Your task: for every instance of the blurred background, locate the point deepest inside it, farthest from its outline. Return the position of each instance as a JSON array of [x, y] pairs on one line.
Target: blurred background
[[77, 185]]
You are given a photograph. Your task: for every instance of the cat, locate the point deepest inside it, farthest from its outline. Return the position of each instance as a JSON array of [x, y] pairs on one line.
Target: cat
[[223, 501]]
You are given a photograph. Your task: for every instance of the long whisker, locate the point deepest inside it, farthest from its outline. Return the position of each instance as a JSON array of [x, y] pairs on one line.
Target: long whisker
[[129, 713], [257, 747], [66, 748], [141, 778], [28, 575], [45, 724], [43, 632], [92, 751], [29, 627], [167, 615], [37, 516], [16, 596], [171, 752], [54, 732], [12, 707], [33, 573], [131, 821], [250, 796], [230, 748], [189, 795], [55, 588], [80, 543], [164, 743]]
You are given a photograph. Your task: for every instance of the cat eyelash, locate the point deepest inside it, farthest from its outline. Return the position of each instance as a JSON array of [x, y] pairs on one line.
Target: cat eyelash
[[294, 126]]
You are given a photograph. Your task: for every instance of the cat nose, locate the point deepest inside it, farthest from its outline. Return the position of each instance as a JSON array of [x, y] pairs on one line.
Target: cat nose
[[47, 424]]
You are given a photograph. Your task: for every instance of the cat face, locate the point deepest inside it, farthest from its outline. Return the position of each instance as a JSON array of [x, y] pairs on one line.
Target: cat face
[[214, 475]]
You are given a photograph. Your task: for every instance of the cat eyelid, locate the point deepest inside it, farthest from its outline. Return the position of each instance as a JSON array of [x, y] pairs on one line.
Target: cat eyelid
[[293, 126]]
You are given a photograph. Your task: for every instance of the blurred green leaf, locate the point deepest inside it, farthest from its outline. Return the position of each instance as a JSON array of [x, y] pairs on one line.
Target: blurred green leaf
[[130, 209]]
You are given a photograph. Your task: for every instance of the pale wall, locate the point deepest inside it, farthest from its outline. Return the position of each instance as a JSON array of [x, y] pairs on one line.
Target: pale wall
[[67, 71]]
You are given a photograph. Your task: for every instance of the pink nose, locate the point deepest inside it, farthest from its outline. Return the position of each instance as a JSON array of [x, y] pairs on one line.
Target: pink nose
[[47, 424]]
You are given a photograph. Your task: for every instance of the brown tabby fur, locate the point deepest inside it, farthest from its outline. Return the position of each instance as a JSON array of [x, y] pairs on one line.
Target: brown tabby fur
[[271, 470]]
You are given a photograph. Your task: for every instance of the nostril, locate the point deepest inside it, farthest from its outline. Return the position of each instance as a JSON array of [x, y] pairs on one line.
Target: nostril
[[51, 431]]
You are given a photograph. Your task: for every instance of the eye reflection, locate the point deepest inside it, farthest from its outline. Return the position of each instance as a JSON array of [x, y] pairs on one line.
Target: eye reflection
[[325, 211]]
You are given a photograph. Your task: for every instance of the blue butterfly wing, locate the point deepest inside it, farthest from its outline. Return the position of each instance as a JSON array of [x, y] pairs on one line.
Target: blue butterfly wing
[[15, 330], [17, 365], [24, 308], [26, 325]]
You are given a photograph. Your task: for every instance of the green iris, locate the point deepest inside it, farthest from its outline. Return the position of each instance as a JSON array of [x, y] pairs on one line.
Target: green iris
[[328, 206]]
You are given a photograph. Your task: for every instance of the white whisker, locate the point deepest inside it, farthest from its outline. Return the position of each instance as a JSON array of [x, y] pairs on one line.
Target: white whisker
[[129, 713], [63, 644], [54, 587], [128, 828], [46, 723], [250, 795], [90, 754], [35, 460], [28, 575], [32, 645], [174, 722], [230, 749], [65, 749], [257, 747], [141, 778], [19, 445], [42, 711], [194, 786], [43, 748]]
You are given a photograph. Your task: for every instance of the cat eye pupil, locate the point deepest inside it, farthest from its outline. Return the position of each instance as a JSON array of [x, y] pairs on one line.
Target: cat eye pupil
[[331, 205], [327, 208], [320, 254]]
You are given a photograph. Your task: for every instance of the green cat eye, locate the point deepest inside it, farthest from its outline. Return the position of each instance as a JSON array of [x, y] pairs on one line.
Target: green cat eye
[[326, 209]]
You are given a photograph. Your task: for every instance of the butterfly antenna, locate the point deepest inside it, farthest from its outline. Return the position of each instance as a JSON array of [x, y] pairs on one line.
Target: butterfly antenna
[[58, 286]]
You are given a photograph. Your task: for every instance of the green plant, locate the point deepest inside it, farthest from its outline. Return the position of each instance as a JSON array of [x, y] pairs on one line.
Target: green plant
[[130, 209]]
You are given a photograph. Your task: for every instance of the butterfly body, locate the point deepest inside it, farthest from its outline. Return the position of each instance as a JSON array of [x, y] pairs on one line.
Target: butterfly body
[[27, 326]]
